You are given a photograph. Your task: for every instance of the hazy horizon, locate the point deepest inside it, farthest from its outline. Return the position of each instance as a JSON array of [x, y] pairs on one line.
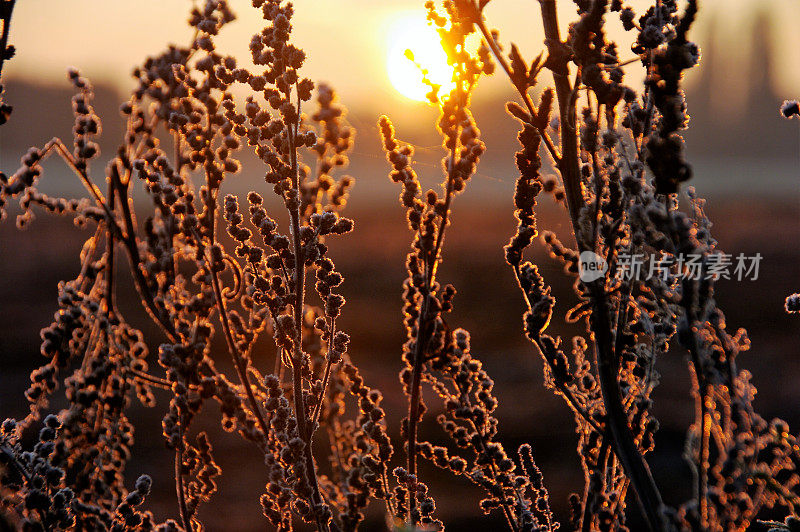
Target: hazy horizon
[[735, 133], [96, 37]]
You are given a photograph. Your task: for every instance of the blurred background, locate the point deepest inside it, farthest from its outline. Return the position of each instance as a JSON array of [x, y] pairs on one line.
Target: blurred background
[[745, 157]]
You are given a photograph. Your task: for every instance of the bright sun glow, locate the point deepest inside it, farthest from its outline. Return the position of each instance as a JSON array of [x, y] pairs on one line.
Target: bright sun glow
[[413, 33]]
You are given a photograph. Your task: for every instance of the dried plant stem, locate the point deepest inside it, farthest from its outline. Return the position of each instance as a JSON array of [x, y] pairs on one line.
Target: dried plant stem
[[127, 237], [702, 393], [562, 388], [568, 164], [56, 144], [179, 488], [607, 359], [303, 427], [703, 423], [110, 242], [507, 512], [20, 467], [326, 376], [238, 359], [423, 333], [617, 418], [413, 404], [587, 514], [12, 459], [526, 98], [150, 379]]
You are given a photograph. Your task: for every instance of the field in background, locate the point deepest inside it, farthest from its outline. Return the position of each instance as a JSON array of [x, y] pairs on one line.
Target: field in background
[[487, 304]]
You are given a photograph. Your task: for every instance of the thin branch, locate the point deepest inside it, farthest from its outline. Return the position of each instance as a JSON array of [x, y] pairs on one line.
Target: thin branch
[[110, 244], [607, 359], [134, 257], [238, 360], [326, 377], [617, 418], [422, 332], [150, 379], [297, 358], [526, 98], [569, 164], [17, 465], [179, 488], [569, 397]]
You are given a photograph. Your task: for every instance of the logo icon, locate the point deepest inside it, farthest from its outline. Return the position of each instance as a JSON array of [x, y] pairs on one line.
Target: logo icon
[[591, 266]]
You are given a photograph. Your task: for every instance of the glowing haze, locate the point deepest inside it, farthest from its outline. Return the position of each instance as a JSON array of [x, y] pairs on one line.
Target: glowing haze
[[356, 45], [413, 34]]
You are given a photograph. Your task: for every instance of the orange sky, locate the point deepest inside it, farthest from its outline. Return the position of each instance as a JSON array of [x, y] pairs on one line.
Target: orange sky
[[345, 39]]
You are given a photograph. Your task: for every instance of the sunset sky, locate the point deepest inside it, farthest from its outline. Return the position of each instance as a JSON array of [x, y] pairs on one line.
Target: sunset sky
[[347, 40]]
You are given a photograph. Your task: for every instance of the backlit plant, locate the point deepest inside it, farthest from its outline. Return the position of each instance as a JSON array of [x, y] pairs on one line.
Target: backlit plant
[[207, 264]]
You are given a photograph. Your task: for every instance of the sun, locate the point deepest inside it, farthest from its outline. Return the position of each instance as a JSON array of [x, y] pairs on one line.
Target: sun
[[413, 33]]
